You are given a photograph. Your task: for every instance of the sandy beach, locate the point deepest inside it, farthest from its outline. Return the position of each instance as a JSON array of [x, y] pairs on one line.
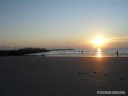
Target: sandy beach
[[62, 76]]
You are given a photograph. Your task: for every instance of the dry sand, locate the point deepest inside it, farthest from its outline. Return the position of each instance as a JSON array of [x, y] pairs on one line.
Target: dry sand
[[62, 76]]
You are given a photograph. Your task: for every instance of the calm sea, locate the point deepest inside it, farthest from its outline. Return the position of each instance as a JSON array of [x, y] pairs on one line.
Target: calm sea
[[123, 52]]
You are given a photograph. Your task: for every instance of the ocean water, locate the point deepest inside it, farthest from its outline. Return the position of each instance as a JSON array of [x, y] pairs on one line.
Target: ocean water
[[123, 52]]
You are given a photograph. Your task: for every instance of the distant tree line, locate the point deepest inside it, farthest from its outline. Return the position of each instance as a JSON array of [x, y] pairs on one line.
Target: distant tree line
[[22, 51]]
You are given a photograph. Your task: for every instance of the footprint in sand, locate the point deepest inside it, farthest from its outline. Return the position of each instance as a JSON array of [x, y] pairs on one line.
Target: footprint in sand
[[98, 78], [121, 83], [105, 74], [122, 78], [94, 72], [6, 71], [81, 73]]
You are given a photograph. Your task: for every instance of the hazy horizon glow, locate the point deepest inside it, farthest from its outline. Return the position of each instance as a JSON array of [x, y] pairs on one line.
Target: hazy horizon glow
[[62, 23]]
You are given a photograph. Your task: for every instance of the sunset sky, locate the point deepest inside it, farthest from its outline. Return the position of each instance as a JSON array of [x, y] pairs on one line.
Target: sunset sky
[[62, 23]]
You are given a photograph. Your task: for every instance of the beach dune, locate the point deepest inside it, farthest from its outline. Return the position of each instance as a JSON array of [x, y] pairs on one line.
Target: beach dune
[[62, 76]]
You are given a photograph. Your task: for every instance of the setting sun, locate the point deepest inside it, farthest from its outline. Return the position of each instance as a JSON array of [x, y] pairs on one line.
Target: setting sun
[[99, 41]]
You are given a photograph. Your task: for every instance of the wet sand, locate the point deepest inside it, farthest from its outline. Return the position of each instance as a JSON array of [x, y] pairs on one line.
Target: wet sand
[[62, 76]]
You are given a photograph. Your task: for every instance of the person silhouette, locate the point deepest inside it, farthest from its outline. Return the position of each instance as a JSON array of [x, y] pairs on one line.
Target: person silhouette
[[117, 53], [82, 52]]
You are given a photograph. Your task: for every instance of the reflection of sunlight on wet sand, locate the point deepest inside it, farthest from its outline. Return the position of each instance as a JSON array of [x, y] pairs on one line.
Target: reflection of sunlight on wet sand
[[99, 53]]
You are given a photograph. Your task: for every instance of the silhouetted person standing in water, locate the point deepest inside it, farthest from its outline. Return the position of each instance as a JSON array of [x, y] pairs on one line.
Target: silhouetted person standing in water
[[117, 53], [82, 52]]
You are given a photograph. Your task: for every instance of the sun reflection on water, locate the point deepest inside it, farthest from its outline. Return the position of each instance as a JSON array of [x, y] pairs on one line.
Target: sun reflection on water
[[99, 53]]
